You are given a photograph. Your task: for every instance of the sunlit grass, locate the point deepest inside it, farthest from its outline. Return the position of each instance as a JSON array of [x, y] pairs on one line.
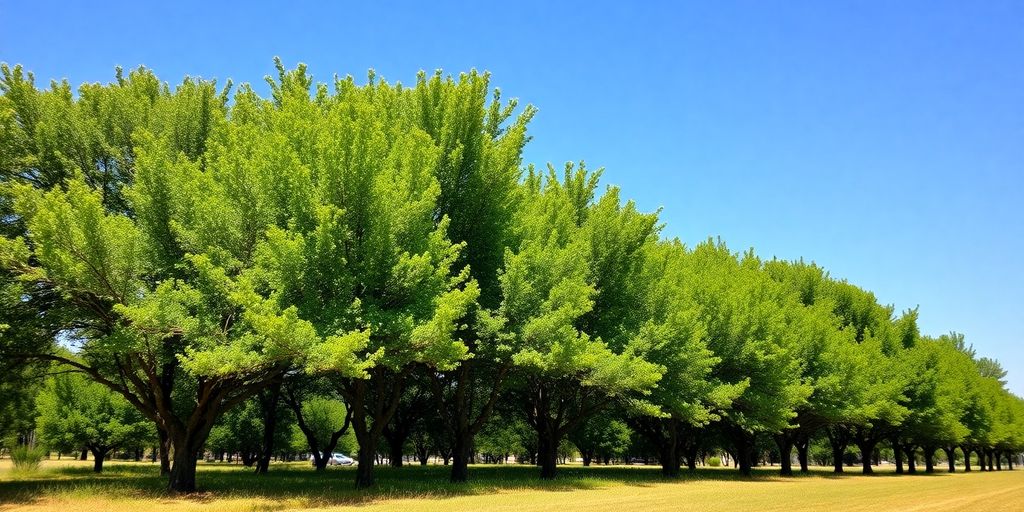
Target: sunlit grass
[[136, 487]]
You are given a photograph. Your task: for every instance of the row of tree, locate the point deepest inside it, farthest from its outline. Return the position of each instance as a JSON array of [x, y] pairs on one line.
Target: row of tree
[[192, 250]]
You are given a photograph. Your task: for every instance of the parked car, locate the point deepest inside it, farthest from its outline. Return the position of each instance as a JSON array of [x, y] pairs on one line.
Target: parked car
[[336, 459]]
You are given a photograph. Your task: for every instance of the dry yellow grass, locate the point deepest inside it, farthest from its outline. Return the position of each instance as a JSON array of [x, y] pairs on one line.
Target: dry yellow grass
[[511, 489]]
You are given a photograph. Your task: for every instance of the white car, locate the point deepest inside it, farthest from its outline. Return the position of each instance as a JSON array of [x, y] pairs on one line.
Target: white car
[[336, 459]]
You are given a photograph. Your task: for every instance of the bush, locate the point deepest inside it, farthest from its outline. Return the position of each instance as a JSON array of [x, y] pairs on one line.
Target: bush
[[26, 458], [714, 462]]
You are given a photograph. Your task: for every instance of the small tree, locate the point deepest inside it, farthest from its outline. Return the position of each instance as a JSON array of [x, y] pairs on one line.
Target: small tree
[[75, 412]]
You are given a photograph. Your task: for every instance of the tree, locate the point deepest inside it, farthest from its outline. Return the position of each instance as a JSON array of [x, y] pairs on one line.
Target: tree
[[565, 375], [689, 395], [748, 318], [324, 424], [601, 437], [75, 412], [169, 297]]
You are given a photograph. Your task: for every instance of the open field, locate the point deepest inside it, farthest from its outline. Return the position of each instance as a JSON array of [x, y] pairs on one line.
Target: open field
[[135, 487]]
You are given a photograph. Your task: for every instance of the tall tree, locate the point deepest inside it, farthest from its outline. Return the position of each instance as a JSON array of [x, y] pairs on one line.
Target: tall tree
[[566, 375]]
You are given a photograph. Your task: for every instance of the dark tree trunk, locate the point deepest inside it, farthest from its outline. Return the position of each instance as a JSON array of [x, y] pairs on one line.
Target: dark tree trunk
[[670, 449], [670, 460], [785, 444], [911, 453], [460, 459], [951, 457], [85, 454], [897, 453], [967, 457], [364, 466], [802, 445], [743, 441], [990, 457], [165, 452], [587, 455], [395, 445], [691, 456], [837, 440], [999, 460], [929, 459], [866, 447], [183, 471], [547, 455], [268, 400], [98, 454]]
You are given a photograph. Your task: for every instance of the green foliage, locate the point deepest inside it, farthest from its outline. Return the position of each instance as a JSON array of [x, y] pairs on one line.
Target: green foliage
[[714, 462], [76, 413], [195, 251], [324, 416]]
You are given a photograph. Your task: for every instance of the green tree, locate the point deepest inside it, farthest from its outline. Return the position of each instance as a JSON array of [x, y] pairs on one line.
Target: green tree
[[747, 318], [565, 374], [601, 437], [689, 395], [75, 412]]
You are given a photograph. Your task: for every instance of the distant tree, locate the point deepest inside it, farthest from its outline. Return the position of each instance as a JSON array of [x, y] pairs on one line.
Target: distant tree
[[77, 413], [601, 437]]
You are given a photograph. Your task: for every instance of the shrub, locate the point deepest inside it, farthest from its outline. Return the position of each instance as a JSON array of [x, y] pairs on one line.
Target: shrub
[[27, 458], [714, 462]]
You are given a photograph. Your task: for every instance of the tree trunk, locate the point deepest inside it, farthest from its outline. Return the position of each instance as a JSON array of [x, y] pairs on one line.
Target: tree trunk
[[183, 471], [670, 450], [951, 458], [547, 455], [165, 452], [802, 445], [691, 456], [269, 401], [999, 460], [967, 458], [929, 459], [837, 440], [897, 453], [785, 444], [743, 442], [989, 455], [587, 455], [98, 454], [364, 466], [460, 458], [395, 444], [670, 460], [866, 448], [911, 453], [85, 454]]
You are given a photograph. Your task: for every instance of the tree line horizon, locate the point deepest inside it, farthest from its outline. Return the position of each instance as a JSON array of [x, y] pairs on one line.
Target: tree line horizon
[[195, 251]]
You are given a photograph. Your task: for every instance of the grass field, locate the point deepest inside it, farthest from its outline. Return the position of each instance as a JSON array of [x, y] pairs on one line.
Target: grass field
[[66, 486]]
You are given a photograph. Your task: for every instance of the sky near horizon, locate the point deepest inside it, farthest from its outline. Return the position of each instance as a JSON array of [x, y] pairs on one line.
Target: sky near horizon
[[882, 140]]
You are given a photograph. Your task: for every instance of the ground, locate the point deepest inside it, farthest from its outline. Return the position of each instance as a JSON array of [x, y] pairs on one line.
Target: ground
[[135, 487]]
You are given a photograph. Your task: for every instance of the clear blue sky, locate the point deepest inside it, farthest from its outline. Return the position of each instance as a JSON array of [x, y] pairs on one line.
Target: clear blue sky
[[883, 140]]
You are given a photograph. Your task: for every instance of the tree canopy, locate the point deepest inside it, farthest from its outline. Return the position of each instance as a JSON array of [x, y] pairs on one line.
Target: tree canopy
[[354, 256]]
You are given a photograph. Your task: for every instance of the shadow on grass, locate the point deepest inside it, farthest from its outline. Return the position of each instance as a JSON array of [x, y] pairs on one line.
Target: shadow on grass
[[335, 486]]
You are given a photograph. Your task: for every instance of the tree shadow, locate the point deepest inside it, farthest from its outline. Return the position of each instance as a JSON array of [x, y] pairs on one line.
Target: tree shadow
[[335, 486]]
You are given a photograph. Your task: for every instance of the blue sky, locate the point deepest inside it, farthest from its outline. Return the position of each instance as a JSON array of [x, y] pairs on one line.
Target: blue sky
[[883, 140]]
